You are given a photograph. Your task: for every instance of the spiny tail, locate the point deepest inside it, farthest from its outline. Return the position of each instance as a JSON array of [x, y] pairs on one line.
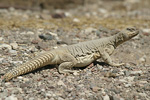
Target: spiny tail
[[29, 66]]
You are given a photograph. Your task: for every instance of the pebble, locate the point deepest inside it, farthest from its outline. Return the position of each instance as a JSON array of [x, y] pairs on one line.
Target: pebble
[[48, 95], [59, 98], [26, 80], [20, 77], [128, 85], [7, 84], [89, 30], [106, 97], [60, 82], [12, 97], [13, 52], [146, 30], [114, 98], [95, 88], [42, 45], [127, 73], [49, 36], [29, 33], [143, 59], [101, 10], [130, 79], [1, 38], [75, 73], [31, 98], [5, 46], [14, 46], [136, 72], [76, 20], [1, 60]]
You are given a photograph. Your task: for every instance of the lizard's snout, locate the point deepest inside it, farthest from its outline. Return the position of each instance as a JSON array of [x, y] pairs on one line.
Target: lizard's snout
[[132, 31]]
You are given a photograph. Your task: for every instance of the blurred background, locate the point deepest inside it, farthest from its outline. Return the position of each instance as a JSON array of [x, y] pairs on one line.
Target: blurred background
[[78, 10]]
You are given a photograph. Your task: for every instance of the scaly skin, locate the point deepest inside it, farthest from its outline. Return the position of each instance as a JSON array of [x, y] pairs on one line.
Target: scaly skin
[[77, 55], [29, 66]]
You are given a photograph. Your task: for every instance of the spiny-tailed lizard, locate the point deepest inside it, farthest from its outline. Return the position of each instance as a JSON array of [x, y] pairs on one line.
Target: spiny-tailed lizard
[[76, 55]]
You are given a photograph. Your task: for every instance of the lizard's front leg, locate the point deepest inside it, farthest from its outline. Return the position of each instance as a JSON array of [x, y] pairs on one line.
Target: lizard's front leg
[[68, 62], [108, 60]]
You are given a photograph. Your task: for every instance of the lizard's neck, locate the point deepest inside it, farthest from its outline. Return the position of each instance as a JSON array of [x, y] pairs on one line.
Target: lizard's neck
[[118, 39]]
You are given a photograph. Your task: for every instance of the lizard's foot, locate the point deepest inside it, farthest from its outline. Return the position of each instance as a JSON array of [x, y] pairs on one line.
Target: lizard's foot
[[118, 65], [67, 71]]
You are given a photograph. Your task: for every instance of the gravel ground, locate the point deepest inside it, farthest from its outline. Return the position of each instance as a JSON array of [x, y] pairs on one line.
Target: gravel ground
[[25, 34]]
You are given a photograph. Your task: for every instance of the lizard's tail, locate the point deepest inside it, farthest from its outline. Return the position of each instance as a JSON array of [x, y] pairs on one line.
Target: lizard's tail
[[29, 66]]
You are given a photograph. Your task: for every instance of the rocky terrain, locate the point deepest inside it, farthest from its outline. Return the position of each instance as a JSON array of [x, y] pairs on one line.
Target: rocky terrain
[[26, 33]]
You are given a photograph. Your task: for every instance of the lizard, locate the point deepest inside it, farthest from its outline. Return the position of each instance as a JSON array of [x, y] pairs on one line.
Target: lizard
[[76, 55]]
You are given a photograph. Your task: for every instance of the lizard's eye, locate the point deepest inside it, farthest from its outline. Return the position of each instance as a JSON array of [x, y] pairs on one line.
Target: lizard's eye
[[131, 29]]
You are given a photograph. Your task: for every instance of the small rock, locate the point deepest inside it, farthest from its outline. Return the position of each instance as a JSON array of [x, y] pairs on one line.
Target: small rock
[[60, 98], [20, 77], [48, 36], [60, 82], [130, 79], [106, 97], [7, 84], [127, 73], [1, 60], [67, 14], [12, 9], [1, 38], [114, 98], [12, 97], [5, 46], [136, 72], [35, 41], [16, 62], [90, 30], [45, 16], [31, 98], [76, 20], [26, 80], [58, 15], [42, 45], [13, 52], [30, 33], [143, 94], [14, 45], [101, 10], [143, 59], [95, 88], [146, 30], [82, 99], [128, 85], [100, 67], [147, 87], [98, 33], [48, 95], [110, 74], [75, 73]]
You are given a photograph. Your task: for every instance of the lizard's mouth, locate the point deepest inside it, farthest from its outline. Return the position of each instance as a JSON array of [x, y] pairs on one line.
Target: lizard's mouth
[[136, 32], [132, 32]]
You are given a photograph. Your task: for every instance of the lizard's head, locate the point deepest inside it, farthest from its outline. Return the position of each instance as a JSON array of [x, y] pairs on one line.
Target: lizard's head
[[125, 35], [129, 32]]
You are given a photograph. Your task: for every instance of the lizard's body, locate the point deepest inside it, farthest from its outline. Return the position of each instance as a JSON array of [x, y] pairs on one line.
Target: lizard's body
[[76, 55]]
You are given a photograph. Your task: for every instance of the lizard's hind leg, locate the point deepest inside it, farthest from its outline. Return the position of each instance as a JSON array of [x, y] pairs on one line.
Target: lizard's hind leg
[[68, 62]]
